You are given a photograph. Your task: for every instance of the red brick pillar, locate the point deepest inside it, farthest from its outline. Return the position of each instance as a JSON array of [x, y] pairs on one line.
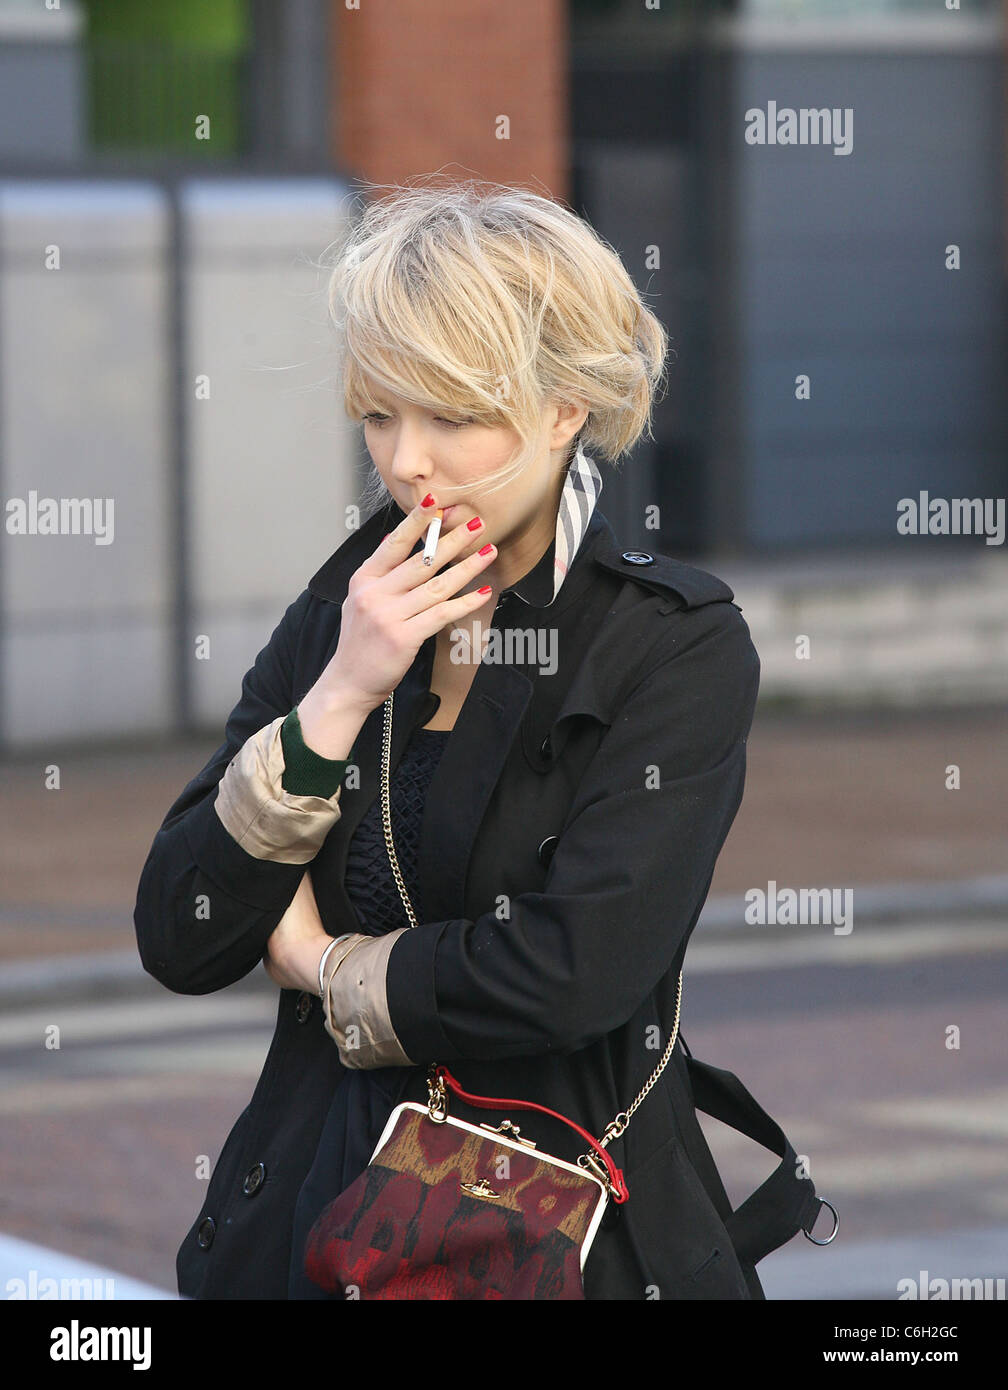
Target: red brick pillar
[[477, 88]]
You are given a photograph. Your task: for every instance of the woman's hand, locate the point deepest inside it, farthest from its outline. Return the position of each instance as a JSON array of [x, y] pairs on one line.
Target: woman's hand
[[296, 944], [394, 603]]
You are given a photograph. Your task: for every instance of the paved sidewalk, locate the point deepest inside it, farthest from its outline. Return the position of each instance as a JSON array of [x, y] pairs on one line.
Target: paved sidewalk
[[831, 800]]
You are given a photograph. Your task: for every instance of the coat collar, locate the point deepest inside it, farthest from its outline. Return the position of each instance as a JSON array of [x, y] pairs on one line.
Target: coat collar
[[581, 490]]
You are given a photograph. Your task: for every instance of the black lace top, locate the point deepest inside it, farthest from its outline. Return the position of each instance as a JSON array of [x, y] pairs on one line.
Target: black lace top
[[369, 882], [364, 1099]]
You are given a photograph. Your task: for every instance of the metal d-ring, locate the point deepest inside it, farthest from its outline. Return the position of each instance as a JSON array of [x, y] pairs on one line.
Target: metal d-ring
[[836, 1224]]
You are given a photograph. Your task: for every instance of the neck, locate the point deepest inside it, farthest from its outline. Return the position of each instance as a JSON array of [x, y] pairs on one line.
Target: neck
[[522, 551]]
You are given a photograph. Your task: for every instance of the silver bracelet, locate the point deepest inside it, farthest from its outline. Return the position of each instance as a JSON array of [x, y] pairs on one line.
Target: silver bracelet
[[325, 956]]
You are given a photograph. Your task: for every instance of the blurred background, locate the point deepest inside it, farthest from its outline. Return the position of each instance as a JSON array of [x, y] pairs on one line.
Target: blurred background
[[171, 174]]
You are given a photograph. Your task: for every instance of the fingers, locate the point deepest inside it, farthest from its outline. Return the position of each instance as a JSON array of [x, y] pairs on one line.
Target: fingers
[[431, 620], [448, 582], [398, 544], [410, 572]]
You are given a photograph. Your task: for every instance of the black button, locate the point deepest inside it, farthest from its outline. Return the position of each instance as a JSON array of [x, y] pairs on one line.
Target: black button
[[254, 1179], [547, 847], [303, 1007], [205, 1234], [638, 557], [546, 747]]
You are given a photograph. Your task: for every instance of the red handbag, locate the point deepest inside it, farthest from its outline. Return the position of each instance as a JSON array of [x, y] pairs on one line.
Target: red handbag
[[451, 1210]]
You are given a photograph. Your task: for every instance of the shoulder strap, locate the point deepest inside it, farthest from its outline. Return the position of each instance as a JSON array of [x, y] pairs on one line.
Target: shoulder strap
[[786, 1202]]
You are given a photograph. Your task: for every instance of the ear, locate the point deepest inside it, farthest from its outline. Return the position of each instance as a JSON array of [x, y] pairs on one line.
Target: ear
[[568, 422]]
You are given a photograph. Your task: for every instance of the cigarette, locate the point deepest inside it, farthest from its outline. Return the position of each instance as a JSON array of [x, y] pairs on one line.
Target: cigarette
[[433, 532]]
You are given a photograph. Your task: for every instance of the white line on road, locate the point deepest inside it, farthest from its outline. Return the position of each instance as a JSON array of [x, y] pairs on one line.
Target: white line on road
[[861, 946], [132, 1018], [58, 1096], [983, 1114]]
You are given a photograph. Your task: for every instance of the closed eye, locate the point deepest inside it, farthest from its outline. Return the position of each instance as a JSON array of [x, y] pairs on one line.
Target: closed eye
[[377, 419]]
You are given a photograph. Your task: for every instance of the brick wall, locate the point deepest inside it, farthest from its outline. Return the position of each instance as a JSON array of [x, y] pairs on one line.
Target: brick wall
[[422, 87]]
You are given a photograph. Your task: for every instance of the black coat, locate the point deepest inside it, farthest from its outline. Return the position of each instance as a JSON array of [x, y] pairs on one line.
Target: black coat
[[596, 798]]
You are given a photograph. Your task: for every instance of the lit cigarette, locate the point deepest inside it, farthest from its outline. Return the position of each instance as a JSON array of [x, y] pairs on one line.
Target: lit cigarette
[[433, 532]]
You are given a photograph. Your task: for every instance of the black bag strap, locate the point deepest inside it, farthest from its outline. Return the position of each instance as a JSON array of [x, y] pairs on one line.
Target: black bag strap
[[786, 1202]]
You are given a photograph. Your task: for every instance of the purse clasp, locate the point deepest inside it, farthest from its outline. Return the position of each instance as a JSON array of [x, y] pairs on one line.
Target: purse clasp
[[510, 1129]]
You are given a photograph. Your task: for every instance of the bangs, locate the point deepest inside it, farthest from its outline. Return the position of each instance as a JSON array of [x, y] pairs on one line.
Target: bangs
[[368, 377], [435, 320]]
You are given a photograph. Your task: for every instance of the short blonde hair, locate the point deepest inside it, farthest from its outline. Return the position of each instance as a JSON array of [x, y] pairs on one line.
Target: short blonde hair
[[489, 301]]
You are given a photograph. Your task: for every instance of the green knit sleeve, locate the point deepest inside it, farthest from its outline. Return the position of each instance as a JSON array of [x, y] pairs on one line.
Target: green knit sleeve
[[307, 773]]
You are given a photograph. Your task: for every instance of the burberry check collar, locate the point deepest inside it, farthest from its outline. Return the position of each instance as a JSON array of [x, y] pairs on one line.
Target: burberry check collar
[[581, 490]]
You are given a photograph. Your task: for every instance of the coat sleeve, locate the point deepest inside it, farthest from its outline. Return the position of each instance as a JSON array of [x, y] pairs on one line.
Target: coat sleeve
[[230, 853], [627, 879]]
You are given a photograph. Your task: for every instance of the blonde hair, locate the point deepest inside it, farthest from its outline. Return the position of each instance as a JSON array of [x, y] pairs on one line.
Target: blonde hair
[[489, 300]]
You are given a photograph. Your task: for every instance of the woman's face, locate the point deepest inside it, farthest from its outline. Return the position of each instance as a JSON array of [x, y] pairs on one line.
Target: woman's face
[[417, 450]]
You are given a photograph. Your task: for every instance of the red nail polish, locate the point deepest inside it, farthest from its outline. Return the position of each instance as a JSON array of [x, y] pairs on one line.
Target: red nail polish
[[475, 524], [428, 500], [485, 589], [486, 549]]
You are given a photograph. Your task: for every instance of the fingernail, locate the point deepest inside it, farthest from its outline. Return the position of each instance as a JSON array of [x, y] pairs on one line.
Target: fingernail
[[486, 549], [475, 524], [428, 501], [485, 589]]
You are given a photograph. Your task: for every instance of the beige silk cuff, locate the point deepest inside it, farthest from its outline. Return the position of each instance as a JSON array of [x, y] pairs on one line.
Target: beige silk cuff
[[268, 822], [355, 1005]]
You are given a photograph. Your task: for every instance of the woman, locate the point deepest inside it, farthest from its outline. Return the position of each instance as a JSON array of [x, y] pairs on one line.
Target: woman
[[567, 756]]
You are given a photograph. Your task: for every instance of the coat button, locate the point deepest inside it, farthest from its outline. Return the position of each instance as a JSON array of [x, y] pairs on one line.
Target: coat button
[[205, 1234], [637, 557], [546, 747], [303, 1008], [254, 1179], [547, 847]]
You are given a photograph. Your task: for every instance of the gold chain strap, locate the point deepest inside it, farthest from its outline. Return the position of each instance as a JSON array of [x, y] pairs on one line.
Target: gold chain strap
[[386, 805], [616, 1126]]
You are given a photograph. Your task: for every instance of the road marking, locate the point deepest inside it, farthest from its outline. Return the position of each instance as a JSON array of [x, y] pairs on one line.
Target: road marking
[[983, 1114], [229, 1054], [939, 1166], [864, 945], [78, 1023], [57, 1096]]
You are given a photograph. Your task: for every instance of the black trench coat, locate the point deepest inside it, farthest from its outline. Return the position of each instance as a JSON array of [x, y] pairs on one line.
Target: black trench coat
[[596, 798]]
